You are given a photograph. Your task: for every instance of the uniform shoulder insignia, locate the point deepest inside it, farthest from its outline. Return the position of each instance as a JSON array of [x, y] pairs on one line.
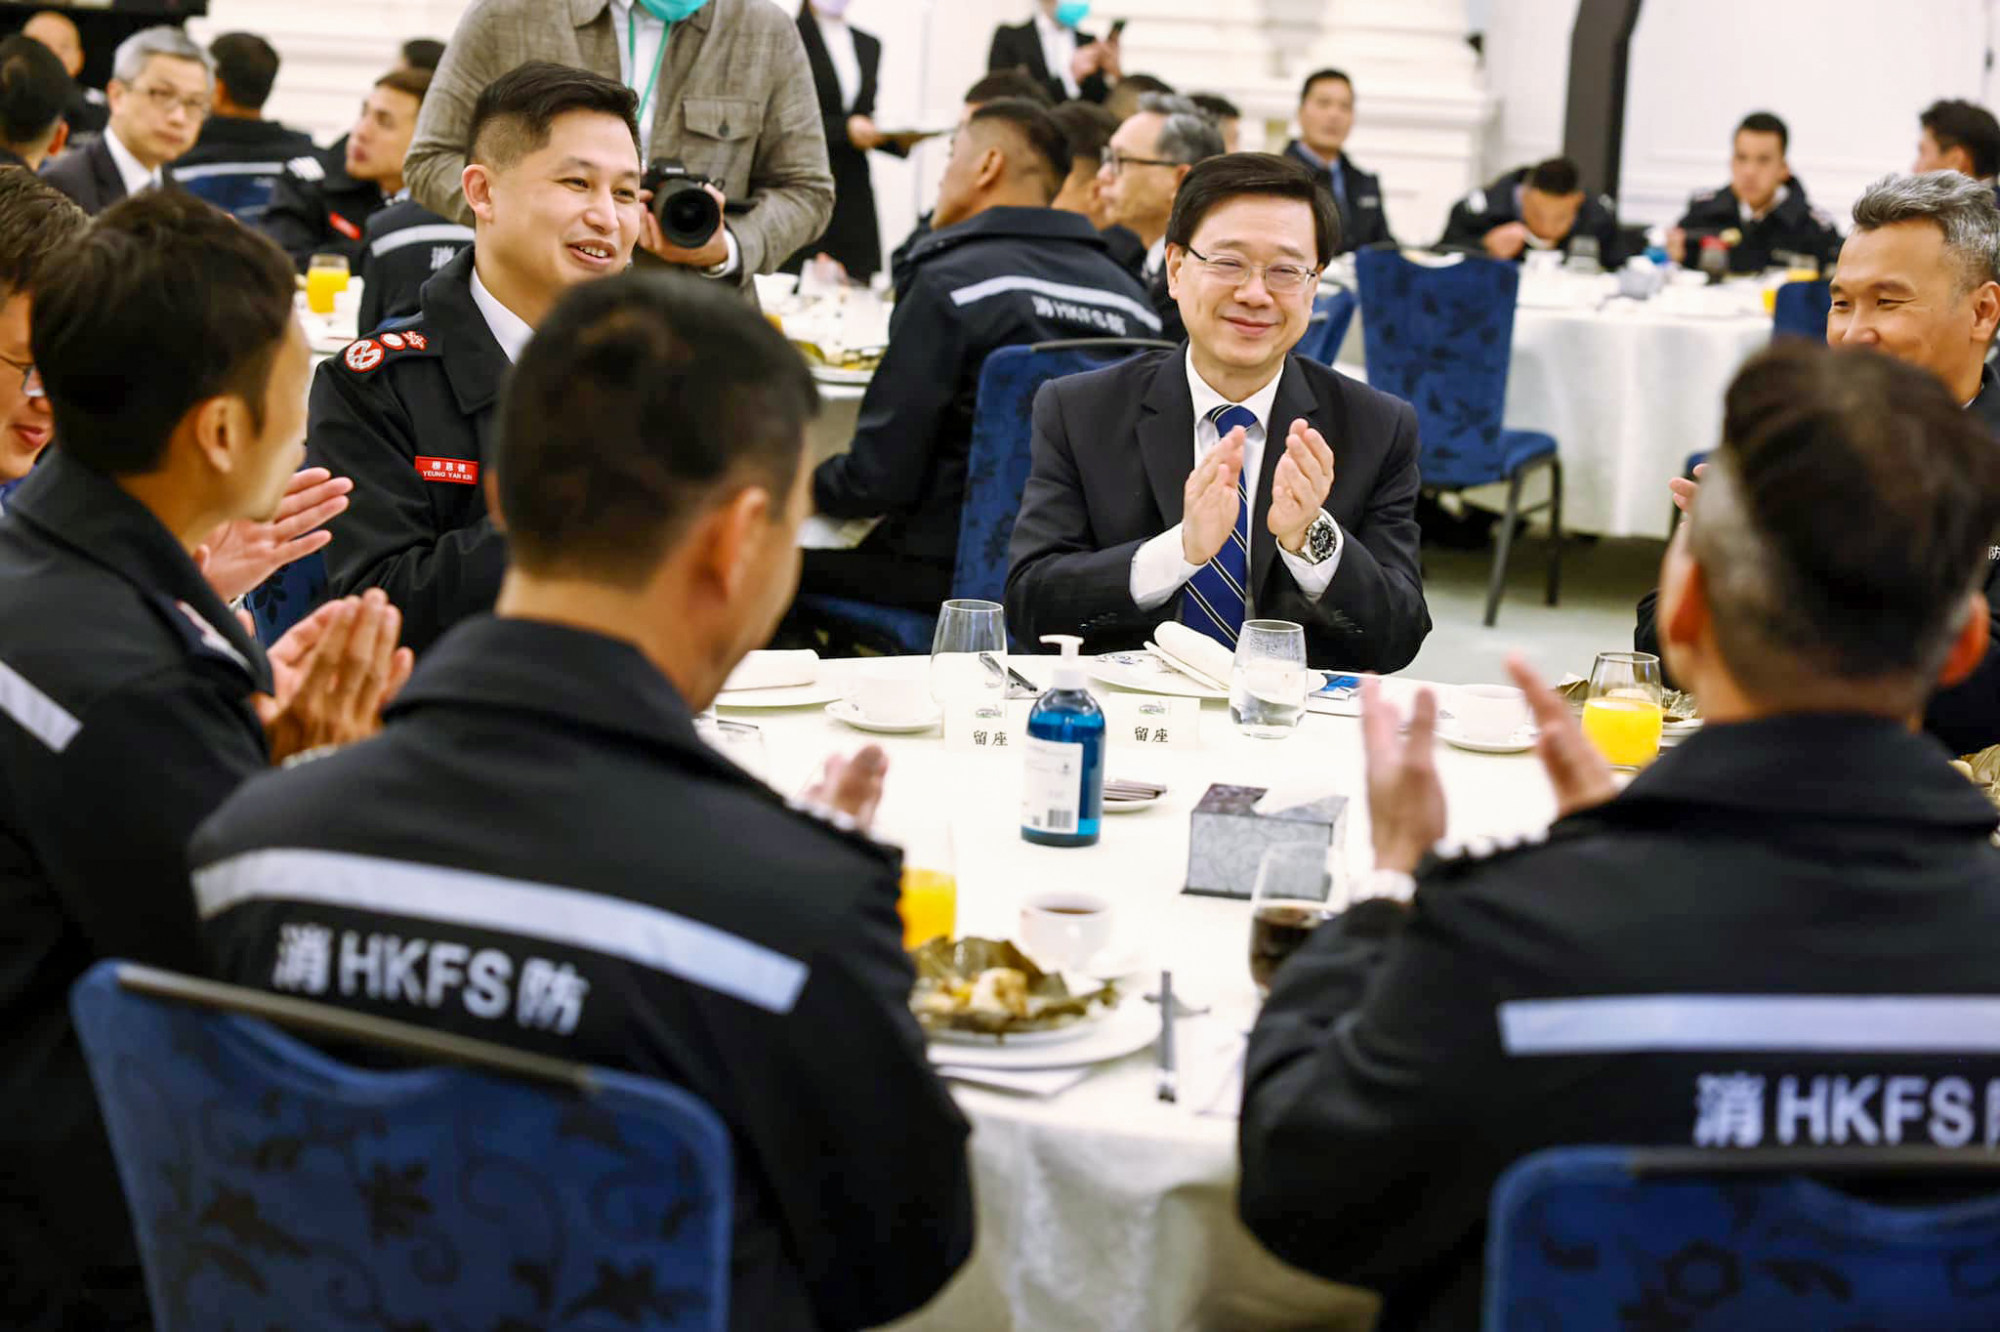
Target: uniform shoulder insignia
[[368, 353], [1703, 196], [307, 168]]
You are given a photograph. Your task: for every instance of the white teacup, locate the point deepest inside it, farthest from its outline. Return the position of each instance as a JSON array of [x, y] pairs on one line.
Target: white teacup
[[1062, 930], [890, 700], [1488, 714]]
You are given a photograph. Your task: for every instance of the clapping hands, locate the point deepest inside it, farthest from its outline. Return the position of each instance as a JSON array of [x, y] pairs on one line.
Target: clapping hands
[[1210, 501]]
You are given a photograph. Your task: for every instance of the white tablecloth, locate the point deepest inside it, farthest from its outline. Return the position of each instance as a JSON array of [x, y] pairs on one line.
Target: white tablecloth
[[1103, 1209]]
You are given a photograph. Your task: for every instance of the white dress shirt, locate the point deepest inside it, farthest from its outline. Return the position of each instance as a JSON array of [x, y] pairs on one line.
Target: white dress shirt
[[1749, 214], [1159, 569], [509, 329], [1058, 49], [839, 39], [131, 170]]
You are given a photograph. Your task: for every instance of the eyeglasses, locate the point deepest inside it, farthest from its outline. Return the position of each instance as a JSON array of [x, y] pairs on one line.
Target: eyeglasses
[[1116, 161], [31, 382], [1279, 279], [164, 101]]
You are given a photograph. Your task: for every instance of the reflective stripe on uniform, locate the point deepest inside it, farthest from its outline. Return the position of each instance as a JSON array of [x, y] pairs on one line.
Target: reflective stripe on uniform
[[38, 714], [228, 169], [616, 927], [428, 234], [1848, 1023], [1061, 291]]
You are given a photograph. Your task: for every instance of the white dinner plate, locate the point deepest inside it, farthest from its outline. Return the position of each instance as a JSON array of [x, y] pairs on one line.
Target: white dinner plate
[[788, 696], [844, 710], [833, 374], [1134, 1025], [1143, 673], [1522, 741], [1075, 1031], [1131, 806]]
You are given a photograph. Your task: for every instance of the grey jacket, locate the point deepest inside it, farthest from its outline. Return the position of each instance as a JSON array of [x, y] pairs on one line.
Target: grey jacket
[[735, 103]]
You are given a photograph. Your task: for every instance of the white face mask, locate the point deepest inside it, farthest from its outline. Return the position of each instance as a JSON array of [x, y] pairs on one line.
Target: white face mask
[[832, 9]]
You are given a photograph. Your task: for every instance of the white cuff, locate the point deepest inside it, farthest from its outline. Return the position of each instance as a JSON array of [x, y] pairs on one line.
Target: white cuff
[[728, 266], [1315, 579], [1159, 570]]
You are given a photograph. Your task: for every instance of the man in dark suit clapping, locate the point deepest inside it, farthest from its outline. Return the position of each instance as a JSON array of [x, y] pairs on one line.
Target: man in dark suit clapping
[[1228, 478]]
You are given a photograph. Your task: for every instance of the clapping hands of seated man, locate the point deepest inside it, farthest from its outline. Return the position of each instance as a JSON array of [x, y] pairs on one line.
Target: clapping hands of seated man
[[1298, 490], [333, 673], [240, 555]]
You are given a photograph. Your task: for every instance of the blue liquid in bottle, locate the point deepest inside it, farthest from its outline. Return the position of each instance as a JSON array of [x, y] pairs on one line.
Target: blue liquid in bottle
[[1063, 803]]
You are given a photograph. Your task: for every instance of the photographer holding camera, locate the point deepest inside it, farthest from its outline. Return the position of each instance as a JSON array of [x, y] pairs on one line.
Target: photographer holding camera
[[727, 114]]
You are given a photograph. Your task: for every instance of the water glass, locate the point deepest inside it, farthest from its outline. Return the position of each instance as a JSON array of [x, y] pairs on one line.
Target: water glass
[[1624, 708], [1298, 889], [1267, 684], [969, 654]]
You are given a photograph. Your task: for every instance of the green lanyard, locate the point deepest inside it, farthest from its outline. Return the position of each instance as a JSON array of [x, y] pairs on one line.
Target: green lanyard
[[632, 56]]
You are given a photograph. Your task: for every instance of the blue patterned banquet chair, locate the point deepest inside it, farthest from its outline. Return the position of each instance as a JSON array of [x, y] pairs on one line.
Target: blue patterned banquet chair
[[451, 1184], [1441, 338], [1801, 311], [1332, 316]]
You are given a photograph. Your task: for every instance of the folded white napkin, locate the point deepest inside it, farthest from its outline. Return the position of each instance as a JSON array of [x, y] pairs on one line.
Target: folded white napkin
[[1022, 1081], [1196, 649], [770, 669]]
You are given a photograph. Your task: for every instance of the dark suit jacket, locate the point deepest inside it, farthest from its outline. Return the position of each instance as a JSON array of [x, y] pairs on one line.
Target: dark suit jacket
[[853, 235], [88, 176], [1019, 46], [1112, 453]]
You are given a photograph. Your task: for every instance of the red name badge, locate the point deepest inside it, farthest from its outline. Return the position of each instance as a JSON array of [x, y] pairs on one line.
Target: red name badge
[[448, 469]]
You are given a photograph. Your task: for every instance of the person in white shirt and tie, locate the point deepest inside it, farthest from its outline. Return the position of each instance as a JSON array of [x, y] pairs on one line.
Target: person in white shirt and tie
[[160, 91]]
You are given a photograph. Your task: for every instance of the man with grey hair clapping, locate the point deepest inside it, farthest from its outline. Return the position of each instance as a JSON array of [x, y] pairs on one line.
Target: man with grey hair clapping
[[1144, 166], [160, 93]]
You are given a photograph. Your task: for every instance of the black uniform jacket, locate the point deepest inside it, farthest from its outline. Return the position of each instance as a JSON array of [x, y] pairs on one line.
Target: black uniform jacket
[[1362, 220], [408, 413], [1965, 717], [1482, 210], [124, 684], [401, 247], [1406, 1058], [1006, 277], [1112, 453], [1019, 46], [617, 893], [319, 209], [853, 235], [1794, 226], [236, 163]]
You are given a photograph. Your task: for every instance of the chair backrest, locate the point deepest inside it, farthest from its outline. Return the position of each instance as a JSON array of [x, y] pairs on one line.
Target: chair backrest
[[1706, 1240], [287, 596], [241, 189], [1441, 339], [1002, 426], [266, 1178], [1801, 311], [1332, 316]]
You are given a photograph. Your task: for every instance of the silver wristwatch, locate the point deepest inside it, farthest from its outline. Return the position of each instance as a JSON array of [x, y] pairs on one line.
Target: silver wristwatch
[[1322, 539]]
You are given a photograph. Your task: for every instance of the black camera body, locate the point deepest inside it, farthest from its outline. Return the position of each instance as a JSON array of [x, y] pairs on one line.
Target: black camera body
[[688, 214]]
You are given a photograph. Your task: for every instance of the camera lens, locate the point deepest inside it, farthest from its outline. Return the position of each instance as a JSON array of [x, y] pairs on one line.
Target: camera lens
[[688, 214]]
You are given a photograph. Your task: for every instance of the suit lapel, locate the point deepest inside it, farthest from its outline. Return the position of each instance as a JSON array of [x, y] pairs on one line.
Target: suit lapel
[[1038, 64], [1294, 401], [1166, 436], [110, 185], [824, 78]]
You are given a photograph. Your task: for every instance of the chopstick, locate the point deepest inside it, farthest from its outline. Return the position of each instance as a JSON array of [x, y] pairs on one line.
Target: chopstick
[[1167, 1084]]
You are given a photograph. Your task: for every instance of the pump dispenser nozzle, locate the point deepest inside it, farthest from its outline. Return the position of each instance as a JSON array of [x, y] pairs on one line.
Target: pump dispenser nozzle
[[1069, 670]]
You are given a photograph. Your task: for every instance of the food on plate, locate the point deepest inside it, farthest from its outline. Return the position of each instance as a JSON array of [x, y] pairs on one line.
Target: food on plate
[[989, 986], [1983, 771], [848, 358]]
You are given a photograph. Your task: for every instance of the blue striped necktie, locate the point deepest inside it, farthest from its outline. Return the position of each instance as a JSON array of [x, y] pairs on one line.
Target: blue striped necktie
[[1215, 599]]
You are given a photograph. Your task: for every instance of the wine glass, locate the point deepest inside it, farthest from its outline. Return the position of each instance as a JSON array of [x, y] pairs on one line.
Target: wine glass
[[1267, 685], [1298, 889], [969, 654], [1624, 708]]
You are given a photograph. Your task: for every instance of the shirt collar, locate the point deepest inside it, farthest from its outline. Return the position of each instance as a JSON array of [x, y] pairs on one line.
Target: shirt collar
[[130, 169], [1323, 163], [1156, 257], [509, 329], [1206, 399], [1777, 202], [1045, 22]]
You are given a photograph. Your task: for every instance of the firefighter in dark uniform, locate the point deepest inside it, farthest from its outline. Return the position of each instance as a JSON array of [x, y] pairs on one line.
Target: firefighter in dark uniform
[[1806, 842], [1763, 211], [1326, 117], [133, 700], [324, 200], [401, 248], [1542, 207], [986, 278], [783, 1002]]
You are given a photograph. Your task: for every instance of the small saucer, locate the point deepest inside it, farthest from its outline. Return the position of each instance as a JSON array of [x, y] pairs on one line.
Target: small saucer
[[1131, 806], [844, 710], [1522, 741]]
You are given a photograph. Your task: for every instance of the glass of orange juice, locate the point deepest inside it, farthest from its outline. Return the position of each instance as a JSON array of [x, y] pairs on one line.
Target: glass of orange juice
[[1623, 711], [929, 900], [326, 277]]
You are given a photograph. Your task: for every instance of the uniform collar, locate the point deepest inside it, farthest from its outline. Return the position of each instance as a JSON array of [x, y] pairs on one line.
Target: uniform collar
[[1985, 404], [1840, 766], [509, 329], [86, 511], [1039, 224], [1784, 196], [474, 360]]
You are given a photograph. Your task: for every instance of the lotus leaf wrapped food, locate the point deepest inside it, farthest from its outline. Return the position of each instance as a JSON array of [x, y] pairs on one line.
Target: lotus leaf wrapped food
[[990, 986]]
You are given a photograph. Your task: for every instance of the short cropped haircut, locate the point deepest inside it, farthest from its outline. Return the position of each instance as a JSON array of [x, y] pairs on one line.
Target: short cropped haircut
[[423, 53], [39, 227], [1959, 206], [247, 65], [514, 113], [1216, 107], [1763, 122], [1319, 76], [640, 397], [34, 89], [1558, 175], [164, 303], [1007, 83], [1048, 150], [1261, 175], [129, 62], [1799, 592], [1188, 136], [415, 82], [1088, 128], [1967, 125]]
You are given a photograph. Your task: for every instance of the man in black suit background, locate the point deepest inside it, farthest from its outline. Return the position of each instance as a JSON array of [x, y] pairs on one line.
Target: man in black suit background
[[1144, 166], [1133, 513], [160, 95], [1326, 115], [1064, 60]]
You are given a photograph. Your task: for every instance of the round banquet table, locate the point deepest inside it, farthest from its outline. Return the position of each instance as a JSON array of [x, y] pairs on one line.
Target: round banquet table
[[1102, 1207]]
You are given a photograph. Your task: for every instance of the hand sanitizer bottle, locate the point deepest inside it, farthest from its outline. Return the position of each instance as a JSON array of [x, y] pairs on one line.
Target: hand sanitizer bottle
[[1063, 803]]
